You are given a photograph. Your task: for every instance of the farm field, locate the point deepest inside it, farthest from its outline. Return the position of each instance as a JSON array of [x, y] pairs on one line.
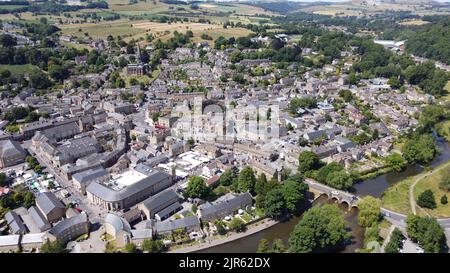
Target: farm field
[[19, 68], [101, 30], [235, 8], [214, 30], [413, 23]]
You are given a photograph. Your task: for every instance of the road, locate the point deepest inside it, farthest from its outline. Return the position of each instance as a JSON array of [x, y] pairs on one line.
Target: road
[[96, 215]]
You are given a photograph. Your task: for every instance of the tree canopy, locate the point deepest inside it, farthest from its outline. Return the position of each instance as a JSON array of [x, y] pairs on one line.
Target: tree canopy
[[321, 229], [427, 232], [196, 188]]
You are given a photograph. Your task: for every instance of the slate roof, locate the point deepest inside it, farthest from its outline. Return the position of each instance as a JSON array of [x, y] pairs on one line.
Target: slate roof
[[15, 223], [65, 224], [157, 200], [47, 202], [40, 221], [89, 175], [170, 225], [9, 148], [117, 222]]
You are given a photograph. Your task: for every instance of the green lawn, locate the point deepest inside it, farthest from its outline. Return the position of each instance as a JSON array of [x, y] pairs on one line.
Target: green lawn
[[396, 198], [19, 68], [432, 182]]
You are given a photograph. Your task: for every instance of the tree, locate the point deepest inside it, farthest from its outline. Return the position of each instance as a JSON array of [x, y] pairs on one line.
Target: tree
[[396, 162], [394, 82], [339, 180], [321, 229], [196, 188], [237, 224], [228, 177], [278, 246], [18, 197], [296, 103], [369, 211], [308, 160], [261, 184], [346, 95], [220, 227], [152, 246], [263, 246], [395, 243], [427, 232], [246, 180], [294, 191], [39, 80], [430, 116], [58, 72], [2, 179], [130, 248], [444, 199], [52, 247], [7, 40], [419, 149], [274, 204], [426, 199]]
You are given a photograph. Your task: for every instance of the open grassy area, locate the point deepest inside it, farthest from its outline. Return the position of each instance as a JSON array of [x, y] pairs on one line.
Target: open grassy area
[[164, 31], [235, 8], [102, 30], [19, 68], [432, 182], [396, 198], [417, 22]]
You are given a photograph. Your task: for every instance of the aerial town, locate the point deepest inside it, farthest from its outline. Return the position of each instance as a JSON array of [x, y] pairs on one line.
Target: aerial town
[[185, 142]]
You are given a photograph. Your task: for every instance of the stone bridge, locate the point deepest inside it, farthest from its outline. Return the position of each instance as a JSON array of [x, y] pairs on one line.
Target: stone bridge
[[341, 196]]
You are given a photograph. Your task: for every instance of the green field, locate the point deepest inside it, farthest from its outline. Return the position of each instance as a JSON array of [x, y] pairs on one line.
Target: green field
[[102, 30], [432, 182], [396, 198], [19, 69], [11, 7]]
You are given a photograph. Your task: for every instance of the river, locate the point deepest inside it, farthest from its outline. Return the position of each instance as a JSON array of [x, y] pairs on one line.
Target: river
[[378, 185], [282, 231], [374, 187]]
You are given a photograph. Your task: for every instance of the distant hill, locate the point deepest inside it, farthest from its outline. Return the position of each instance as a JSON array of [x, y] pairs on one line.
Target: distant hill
[[378, 2]]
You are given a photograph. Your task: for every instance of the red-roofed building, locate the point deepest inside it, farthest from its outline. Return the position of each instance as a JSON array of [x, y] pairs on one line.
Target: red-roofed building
[[213, 180], [4, 191]]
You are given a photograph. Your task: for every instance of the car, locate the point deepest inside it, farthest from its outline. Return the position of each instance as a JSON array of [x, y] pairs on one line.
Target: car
[[335, 192]]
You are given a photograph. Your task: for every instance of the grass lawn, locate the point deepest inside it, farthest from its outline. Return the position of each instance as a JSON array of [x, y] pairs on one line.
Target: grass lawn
[[396, 198], [19, 68], [246, 217], [432, 182], [77, 46]]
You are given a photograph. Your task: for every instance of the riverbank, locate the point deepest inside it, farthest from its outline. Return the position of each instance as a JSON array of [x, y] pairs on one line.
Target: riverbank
[[252, 229], [401, 196], [258, 226]]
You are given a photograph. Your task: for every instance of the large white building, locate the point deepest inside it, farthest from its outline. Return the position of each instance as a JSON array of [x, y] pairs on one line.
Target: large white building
[[128, 188]]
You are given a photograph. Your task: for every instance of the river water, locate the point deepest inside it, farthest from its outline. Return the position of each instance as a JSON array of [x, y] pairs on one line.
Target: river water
[[249, 244], [374, 187]]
